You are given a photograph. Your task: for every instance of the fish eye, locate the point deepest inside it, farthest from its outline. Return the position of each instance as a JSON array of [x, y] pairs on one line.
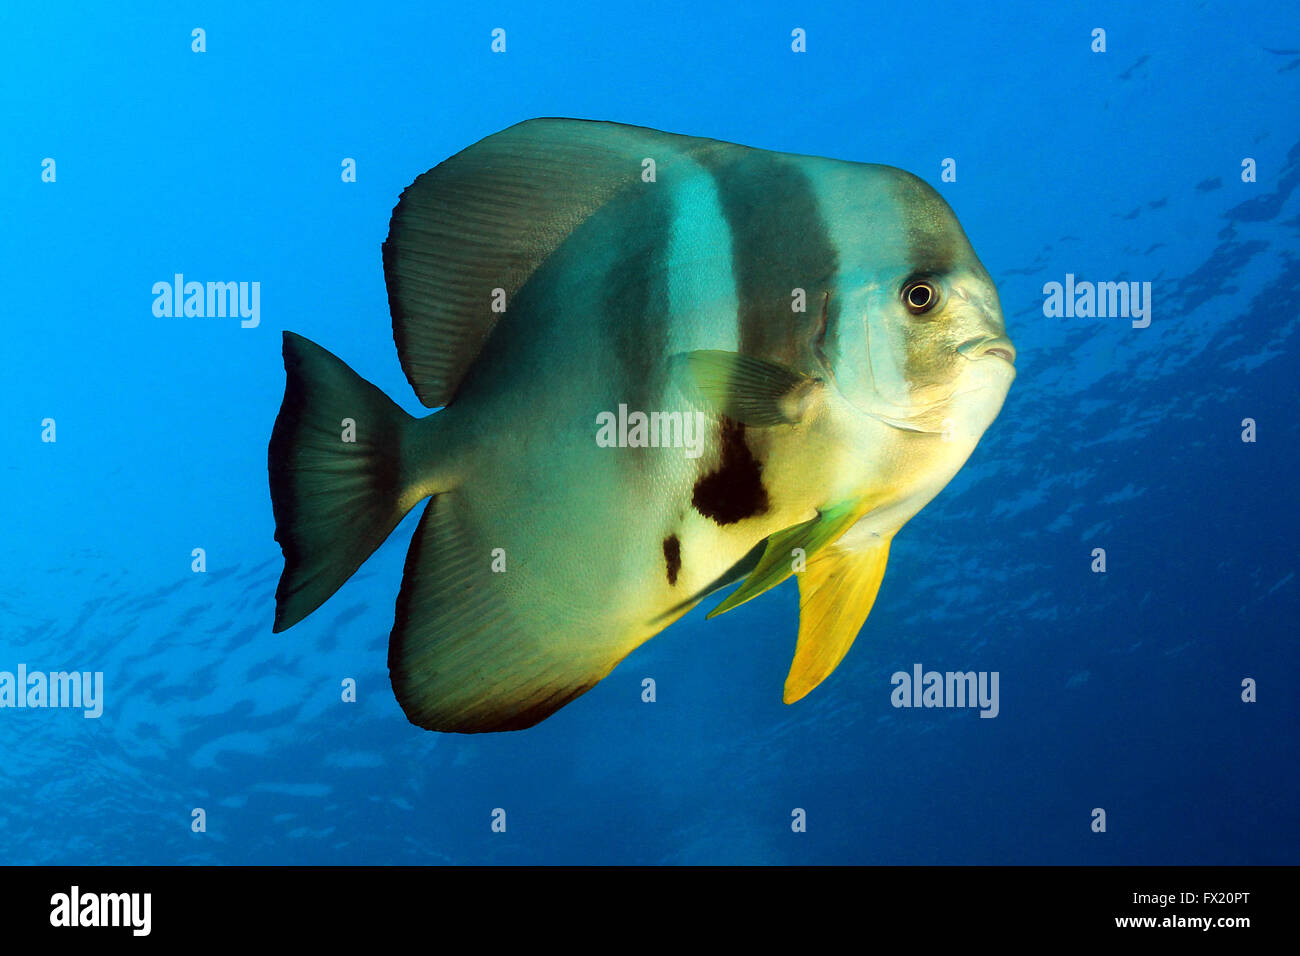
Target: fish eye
[[919, 295]]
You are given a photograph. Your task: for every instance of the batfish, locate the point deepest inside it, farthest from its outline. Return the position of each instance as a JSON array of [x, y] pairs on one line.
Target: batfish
[[664, 365]]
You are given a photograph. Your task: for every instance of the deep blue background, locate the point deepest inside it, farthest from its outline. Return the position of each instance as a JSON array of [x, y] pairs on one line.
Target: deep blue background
[[1118, 690]]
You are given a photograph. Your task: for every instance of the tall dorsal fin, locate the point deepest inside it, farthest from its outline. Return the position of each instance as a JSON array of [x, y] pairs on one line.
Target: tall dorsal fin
[[487, 217]]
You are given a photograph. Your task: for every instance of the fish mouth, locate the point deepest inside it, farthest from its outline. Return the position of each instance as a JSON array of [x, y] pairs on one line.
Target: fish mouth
[[996, 346]]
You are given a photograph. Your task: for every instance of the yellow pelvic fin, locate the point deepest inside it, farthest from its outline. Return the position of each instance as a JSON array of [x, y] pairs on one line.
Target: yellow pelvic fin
[[798, 543], [836, 593]]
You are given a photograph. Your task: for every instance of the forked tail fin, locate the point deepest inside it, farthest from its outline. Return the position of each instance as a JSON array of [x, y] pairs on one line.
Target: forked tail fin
[[336, 477]]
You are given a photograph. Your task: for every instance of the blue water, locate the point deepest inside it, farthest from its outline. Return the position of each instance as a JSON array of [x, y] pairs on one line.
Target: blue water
[[1118, 690]]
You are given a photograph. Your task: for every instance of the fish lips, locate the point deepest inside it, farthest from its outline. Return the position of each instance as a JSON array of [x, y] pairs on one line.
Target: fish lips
[[997, 347]]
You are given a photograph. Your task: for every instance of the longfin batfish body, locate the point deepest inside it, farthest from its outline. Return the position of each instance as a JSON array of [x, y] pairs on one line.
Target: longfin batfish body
[[669, 364]]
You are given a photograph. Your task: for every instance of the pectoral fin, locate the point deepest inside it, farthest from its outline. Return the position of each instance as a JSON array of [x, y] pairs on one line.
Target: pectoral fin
[[796, 543], [836, 593], [747, 389]]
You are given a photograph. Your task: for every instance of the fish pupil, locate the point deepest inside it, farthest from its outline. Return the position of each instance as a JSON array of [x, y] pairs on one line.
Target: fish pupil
[[919, 296]]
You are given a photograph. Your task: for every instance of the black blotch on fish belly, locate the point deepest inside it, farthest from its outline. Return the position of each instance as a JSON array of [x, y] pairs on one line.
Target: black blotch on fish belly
[[672, 557], [735, 490]]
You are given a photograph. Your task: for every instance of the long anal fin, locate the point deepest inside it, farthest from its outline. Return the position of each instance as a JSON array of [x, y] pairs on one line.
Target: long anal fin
[[468, 653], [836, 594]]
